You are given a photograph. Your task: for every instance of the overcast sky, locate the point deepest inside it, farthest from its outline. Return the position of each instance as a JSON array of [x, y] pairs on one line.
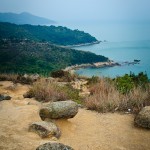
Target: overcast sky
[[81, 9]]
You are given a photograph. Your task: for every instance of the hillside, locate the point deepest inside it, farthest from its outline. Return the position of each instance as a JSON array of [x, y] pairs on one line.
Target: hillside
[[36, 57], [24, 18], [57, 35]]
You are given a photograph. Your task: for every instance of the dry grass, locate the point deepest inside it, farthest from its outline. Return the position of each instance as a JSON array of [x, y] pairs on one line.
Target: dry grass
[[8, 77], [17, 78], [46, 91], [135, 99], [105, 97]]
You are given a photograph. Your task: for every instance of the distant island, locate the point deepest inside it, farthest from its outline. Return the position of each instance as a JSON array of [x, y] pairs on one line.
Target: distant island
[[56, 35], [24, 18]]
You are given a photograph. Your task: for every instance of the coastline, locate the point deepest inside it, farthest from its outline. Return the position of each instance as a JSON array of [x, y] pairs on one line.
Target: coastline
[[109, 63], [84, 44]]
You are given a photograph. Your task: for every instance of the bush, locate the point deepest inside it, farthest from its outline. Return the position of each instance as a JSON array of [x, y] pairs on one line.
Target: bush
[[8, 77], [17, 78], [124, 84], [72, 94], [135, 99], [104, 97], [46, 91], [123, 93], [140, 80], [93, 80], [64, 76], [24, 80], [127, 82]]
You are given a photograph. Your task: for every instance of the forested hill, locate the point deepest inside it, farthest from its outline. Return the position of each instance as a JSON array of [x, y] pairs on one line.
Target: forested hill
[[37, 57], [56, 35]]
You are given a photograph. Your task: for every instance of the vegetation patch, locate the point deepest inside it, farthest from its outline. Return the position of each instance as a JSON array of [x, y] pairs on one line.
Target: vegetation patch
[[17, 78], [22, 56], [127, 83], [127, 93], [45, 91], [8, 77], [56, 35], [64, 76]]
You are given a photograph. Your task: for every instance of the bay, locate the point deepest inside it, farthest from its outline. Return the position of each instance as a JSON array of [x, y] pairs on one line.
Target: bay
[[126, 41], [120, 52]]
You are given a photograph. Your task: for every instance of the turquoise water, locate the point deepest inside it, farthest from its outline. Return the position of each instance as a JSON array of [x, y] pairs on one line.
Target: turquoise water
[[120, 52], [126, 41]]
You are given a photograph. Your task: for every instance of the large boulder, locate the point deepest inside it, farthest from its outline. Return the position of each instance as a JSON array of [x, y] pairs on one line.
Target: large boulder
[[59, 110], [143, 118], [4, 97], [45, 129], [54, 146]]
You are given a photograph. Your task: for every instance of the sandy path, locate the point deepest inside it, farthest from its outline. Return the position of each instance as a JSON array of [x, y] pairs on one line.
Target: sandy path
[[87, 131], [93, 131]]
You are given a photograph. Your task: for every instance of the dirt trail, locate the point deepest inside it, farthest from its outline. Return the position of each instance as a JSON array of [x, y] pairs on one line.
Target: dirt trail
[[87, 131]]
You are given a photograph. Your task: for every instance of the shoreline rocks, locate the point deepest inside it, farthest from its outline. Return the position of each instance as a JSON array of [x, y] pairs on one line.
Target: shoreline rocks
[[59, 110], [109, 63], [84, 44]]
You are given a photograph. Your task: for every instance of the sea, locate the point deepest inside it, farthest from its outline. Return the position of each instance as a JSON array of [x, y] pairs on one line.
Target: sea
[[122, 41]]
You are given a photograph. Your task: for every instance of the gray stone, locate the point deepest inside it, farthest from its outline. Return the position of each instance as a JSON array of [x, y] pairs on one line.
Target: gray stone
[[54, 146], [4, 97], [45, 129], [59, 110], [143, 118]]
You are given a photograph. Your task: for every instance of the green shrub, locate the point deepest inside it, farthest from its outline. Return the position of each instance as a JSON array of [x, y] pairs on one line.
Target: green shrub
[[140, 80], [127, 82], [124, 84], [93, 80], [72, 93]]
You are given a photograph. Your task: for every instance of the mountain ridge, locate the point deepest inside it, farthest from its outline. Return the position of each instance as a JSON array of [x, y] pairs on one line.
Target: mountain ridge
[[24, 18], [57, 35]]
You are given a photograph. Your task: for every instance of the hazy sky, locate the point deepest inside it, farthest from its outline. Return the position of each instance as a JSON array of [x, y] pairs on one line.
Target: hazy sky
[[81, 9]]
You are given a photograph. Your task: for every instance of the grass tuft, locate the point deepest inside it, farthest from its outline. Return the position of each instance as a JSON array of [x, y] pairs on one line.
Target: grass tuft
[[46, 90], [8, 77], [106, 97]]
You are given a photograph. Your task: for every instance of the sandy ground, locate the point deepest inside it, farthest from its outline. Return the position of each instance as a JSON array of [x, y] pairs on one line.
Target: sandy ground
[[87, 131]]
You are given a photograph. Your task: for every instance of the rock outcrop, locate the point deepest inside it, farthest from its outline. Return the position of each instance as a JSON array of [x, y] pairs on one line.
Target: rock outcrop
[[54, 146], [45, 129], [143, 118], [4, 97], [59, 110]]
